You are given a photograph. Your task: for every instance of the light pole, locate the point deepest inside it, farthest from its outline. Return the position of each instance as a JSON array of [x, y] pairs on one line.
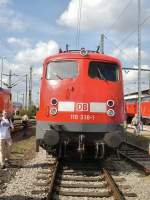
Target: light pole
[[30, 89], [139, 64], [2, 66], [22, 99], [26, 95]]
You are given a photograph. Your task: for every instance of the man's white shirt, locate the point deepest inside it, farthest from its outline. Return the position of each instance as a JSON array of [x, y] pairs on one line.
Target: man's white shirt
[[5, 126]]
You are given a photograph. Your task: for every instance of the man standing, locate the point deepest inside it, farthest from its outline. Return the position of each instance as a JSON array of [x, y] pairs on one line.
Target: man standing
[[134, 123], [5, 138], [25, 124]]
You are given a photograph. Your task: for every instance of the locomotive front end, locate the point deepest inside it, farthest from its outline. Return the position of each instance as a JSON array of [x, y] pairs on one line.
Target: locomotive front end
[[81, 103]]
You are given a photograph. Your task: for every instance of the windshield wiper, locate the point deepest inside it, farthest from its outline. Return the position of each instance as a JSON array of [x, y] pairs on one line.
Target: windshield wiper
[[59, 77], [100, 74]]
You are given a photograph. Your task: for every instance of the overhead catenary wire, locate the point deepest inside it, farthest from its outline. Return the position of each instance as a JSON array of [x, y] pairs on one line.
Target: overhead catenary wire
[[79, 14], [117, 19], [78, 23], [120, 15], [127, 36], [117, 46], [132, 32], [121, 50], [115, 22]]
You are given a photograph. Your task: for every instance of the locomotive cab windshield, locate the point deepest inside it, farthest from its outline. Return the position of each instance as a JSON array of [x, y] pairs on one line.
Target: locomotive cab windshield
[[104, 71], [62, 70]]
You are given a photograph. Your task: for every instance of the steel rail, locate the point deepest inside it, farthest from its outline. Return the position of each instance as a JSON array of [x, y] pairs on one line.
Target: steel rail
[[135, 146], [138, 156], [118, 195], [57, 185], [52, 182]]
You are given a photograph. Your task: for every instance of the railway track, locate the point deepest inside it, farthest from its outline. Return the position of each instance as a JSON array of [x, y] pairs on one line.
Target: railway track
[[136, 155], [74, 179], [79, 181], [18, 125]]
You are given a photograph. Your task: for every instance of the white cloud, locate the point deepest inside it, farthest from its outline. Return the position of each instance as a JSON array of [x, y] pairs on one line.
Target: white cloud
[[38, 72], [130, 78], [4, 2], [37, 54], [126, 53], [13, 23], [131, 53], [129, 57], [22, 42], [101, 14], [10, 19], [24, 59]]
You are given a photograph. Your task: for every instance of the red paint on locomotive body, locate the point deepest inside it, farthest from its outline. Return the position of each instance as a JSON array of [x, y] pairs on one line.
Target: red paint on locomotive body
[[87, 96], [5, 100], [81, 90]]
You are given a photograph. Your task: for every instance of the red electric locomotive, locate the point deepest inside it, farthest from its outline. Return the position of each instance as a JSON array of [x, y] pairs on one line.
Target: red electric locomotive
[[5, 100], [81, 102]]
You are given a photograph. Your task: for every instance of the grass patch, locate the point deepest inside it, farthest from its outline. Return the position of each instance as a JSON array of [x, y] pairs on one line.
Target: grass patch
[[24, 149]]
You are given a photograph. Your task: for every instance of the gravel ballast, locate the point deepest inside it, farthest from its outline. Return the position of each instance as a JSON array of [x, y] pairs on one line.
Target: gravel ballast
[[22, 185]]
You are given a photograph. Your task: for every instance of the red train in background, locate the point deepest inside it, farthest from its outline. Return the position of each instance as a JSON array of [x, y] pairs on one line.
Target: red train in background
[[6, 100], [131, 107], [81, 103]]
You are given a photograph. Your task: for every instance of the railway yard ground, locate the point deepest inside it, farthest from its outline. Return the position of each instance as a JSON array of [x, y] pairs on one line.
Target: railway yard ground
[[142, 139], [30, 175]]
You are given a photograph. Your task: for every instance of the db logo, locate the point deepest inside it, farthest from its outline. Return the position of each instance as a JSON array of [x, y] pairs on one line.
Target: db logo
[[82, 107]]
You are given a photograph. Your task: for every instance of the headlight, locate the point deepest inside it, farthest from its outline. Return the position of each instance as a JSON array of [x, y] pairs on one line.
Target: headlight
[[53, 111], [110, 103], [83, 52], [110, 112], [54, 101]]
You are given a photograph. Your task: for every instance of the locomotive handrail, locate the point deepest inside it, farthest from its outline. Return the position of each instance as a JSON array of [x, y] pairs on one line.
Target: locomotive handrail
[[78, 50]]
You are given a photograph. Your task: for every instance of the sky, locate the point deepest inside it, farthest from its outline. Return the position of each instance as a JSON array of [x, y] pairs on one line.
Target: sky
[[32, 30]]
